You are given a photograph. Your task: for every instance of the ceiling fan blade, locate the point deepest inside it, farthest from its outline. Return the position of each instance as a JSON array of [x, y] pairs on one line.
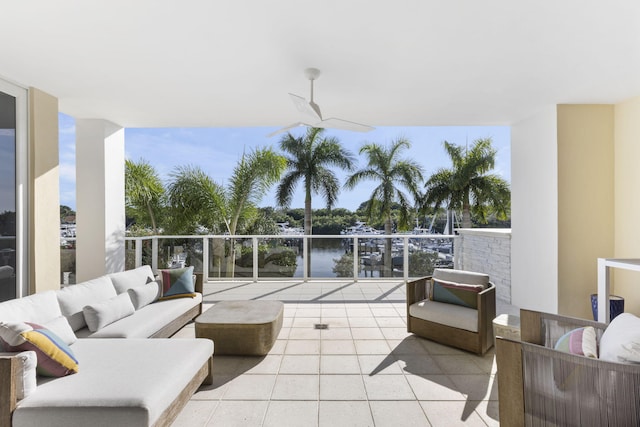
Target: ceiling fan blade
[[304, 106], [334, 123], [287, 128]]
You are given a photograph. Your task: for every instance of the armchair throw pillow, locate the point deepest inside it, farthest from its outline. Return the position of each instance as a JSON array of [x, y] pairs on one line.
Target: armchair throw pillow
[[456, 293]]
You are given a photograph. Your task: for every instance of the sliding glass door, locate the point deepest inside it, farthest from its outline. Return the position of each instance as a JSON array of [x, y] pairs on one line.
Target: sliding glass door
[[13, 178]]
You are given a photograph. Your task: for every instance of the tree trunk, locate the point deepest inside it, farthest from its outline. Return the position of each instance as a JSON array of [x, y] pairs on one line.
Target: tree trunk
[[466, 214], [308, 227]]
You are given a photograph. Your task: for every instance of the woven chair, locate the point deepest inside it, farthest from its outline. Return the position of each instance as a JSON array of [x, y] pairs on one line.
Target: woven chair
[[467, 328], [541, 386]]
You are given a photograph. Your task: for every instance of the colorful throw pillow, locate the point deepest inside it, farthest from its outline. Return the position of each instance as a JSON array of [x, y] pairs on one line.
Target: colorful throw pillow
[[55, 358], [178, 283], [581, 341], [456, 293]]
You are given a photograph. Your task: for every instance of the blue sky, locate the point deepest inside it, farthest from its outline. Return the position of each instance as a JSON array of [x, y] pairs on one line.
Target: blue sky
[[217, 150]]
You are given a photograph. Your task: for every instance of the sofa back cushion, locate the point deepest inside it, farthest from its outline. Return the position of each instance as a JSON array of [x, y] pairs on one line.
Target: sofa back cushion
[[125, 280], [461, 276], [38, 308], [74, 298]]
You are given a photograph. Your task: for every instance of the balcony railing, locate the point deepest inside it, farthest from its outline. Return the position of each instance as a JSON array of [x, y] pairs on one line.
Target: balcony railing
[[269, 257]]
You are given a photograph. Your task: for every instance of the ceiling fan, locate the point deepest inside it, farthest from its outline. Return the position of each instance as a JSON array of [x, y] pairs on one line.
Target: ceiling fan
[[311, 109]]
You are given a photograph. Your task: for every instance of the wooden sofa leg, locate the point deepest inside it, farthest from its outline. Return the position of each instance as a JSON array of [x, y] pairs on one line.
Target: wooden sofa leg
[[209, 378], [8, 397]]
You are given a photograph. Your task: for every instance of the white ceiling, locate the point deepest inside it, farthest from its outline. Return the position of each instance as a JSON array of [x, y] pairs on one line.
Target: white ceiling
[[157, 63]]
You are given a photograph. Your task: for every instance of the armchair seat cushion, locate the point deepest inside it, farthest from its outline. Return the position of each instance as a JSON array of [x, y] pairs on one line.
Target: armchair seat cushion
[[447, 314]]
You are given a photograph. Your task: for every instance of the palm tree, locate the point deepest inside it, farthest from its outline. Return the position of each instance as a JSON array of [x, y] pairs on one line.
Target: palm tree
[[468, 186], [394, 175], [144, 192], [308, 159], [199, 200]]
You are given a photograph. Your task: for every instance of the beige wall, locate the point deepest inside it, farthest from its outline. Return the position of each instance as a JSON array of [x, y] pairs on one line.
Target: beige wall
[[585, 201], [44, 199], [627, 200]]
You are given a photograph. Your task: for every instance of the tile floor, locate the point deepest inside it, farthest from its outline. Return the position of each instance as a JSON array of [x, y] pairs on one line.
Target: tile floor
[[363, 370]]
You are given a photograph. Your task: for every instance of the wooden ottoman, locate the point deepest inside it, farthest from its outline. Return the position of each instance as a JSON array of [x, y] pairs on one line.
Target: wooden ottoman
[[247, 328]]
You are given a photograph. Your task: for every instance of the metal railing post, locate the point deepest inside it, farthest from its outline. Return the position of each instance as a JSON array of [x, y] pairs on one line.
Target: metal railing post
[[254, 243], [405, 258], [305, 266], [154, 254], [205, 259], [355, 259], [138, 261]]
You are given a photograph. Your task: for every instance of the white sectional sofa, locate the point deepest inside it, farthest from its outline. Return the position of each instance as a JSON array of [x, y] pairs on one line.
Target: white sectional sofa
[[123, 378]]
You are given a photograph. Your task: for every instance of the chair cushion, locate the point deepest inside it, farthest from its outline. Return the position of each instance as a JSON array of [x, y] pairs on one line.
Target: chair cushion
[[620, 342], [456, 293], [461, 276], [446, 314]]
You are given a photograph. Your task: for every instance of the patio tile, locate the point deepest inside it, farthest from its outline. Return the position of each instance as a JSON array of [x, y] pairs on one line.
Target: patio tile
[[451, 414], [367, 333], [300, 364], [195, 414], [268, 364], [388, 387], [476, 387], [250, 387], [342, 387], [344, 414], [278, 347], [434, 387], [336, 334], [362, 322], [372, 347], [395, 333], [335, 322], [393, 414], [358, 312], [296, 387], [238, 414], [379, 364], [459, 364], [214, 391], [418, 364], [337, 347], [304, 334], [305, 322], [334, 312], [303, 347], [488, 411], [339, 364], [392, 322], [291, 414]]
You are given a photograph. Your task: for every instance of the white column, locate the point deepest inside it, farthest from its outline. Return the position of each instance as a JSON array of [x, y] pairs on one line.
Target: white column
[[100, 221]]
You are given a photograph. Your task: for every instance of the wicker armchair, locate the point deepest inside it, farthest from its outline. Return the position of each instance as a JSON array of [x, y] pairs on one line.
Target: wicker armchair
[[437, 327], [540, 386]]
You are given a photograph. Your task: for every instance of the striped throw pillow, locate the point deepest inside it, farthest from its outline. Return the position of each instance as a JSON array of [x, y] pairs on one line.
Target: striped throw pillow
[[456, 293]]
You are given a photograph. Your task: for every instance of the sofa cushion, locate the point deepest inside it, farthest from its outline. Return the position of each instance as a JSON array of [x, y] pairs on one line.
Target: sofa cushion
[[456, 293], [60, 326], [26, 376], [101, 314], [113, 388], [124, 280], [446, 314], [146, 321], [620, 342], [178, 283], [38, 308], [461, 276], [55, 358], [145, 295], [74, 298], [580, 341]]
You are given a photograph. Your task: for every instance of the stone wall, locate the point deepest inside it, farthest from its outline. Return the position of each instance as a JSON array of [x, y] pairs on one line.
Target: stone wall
[[486, 250]]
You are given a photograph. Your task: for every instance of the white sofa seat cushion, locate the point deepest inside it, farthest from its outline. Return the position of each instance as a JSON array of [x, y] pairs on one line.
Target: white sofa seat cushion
[[39, 308], [74, 298], [122, 383], [146, 321], [446, 314], [124, 280]]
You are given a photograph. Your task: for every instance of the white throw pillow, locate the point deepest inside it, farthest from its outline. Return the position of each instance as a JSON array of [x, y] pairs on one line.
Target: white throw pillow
[[104, 313], [620, 342], [74, 298], [26, 381], [144, 295], [60, 326], [124, 280]]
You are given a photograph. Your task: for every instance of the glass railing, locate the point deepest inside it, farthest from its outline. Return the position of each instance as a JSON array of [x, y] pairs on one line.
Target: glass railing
[[268, 257]]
